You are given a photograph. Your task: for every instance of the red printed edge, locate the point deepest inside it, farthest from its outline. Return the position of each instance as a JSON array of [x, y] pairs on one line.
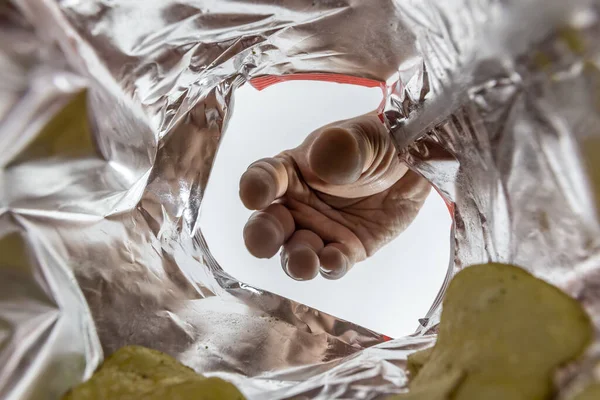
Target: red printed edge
[[263, 82]]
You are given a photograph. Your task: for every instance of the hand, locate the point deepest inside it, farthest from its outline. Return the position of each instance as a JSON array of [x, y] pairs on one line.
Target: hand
[[331, 202]]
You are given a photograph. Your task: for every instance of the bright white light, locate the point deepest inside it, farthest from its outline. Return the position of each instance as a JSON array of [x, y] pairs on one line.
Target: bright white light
[[388, 292]]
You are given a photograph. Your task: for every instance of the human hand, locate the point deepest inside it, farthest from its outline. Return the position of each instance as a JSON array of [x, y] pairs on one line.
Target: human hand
[[331, 202]]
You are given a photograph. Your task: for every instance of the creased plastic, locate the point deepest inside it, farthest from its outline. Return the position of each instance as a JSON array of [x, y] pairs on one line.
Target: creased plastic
[[110, 116]]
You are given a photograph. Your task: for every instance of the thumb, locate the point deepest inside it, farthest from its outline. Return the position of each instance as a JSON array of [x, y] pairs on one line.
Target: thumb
[[338, 155], [355, 154]]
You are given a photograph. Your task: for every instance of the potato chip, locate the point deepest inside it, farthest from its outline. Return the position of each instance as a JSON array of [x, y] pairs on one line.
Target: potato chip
[[505, 332], [135, 372], [592, 392]]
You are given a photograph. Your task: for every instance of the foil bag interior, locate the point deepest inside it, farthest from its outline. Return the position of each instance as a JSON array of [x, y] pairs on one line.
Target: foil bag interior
[[111, 112]]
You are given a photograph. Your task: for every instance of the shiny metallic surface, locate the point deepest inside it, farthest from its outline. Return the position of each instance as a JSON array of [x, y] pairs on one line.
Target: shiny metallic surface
[[496, 102], [519, 127]]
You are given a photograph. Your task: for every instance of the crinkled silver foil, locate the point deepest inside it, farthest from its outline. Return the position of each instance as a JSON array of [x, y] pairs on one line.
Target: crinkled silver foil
[[496, 102]]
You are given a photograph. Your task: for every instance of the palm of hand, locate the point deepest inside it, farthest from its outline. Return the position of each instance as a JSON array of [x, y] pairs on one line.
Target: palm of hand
[[331, 202]]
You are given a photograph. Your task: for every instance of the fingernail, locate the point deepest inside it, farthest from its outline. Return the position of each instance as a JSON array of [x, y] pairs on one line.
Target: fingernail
[[284, 264], [333, 275]]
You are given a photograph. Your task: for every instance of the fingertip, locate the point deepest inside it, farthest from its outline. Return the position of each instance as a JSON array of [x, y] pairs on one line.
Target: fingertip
[[336, 157], [258, 189], [301, 263], [263, 236], [299, 258], [334, 263]]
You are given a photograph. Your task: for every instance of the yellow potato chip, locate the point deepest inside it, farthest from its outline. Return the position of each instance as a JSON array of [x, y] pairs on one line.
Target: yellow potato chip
[[135, 372], [592, 392], [506, 332], [417, 360]]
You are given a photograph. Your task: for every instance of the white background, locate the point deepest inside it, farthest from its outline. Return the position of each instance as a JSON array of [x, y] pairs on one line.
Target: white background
[[386, 293]]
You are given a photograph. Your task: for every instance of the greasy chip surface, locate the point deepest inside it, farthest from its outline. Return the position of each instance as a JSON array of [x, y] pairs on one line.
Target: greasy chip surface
[[135, 372], [441, 389], [417, 360], [592, 392], [505, 332]]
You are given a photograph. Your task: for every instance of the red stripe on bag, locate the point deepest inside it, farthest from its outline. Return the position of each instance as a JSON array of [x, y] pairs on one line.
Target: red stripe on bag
[[263, 82]]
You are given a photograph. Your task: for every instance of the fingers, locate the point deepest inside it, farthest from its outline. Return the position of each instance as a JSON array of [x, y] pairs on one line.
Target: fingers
[[304, 256], [331, 229], [299, 257], [262, 183], [266, 231]]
